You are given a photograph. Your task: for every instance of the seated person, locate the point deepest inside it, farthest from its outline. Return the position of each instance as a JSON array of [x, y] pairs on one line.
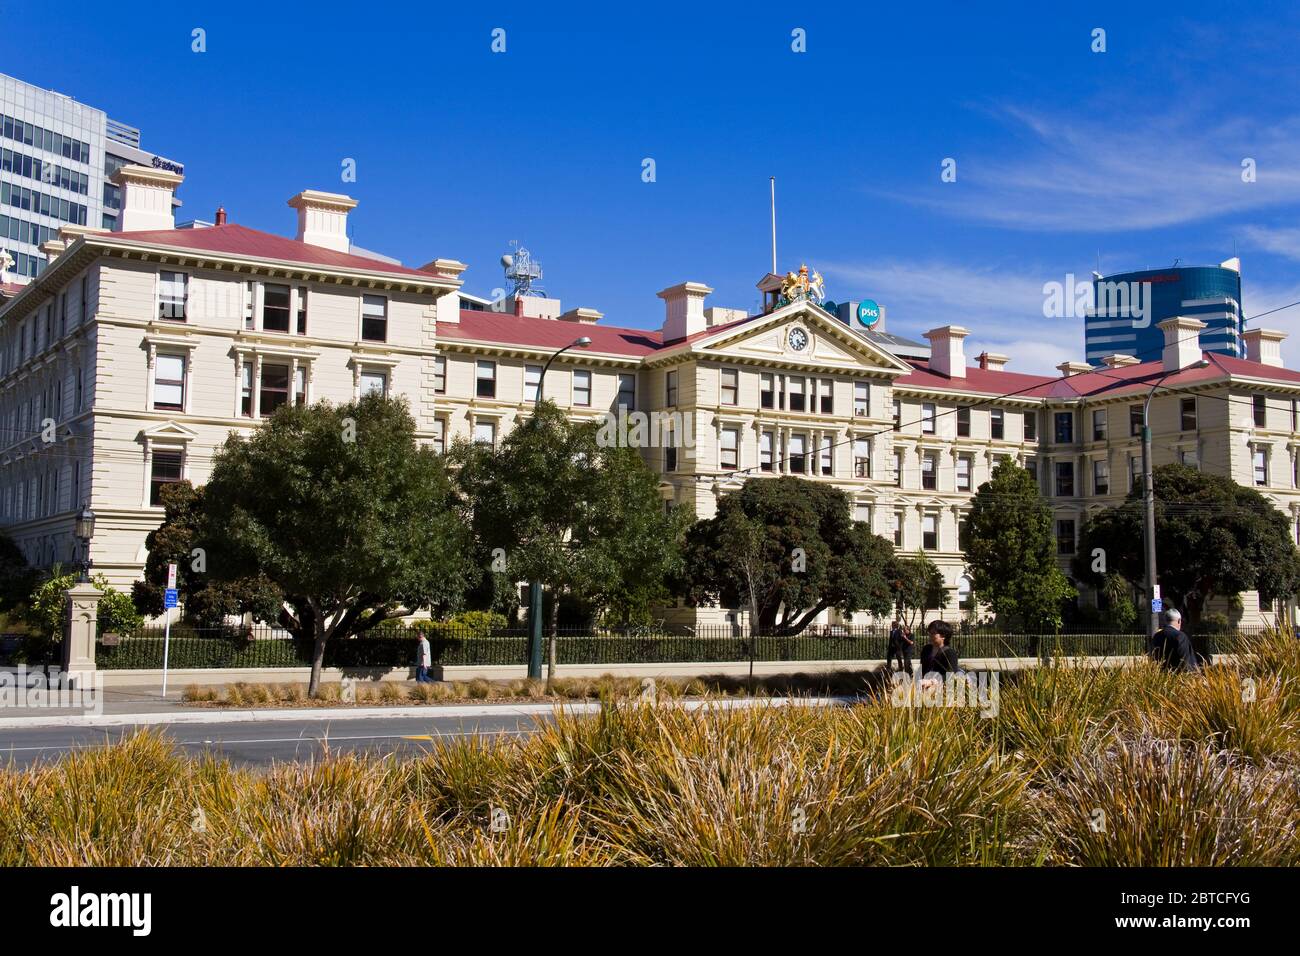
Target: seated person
[[936, 656]]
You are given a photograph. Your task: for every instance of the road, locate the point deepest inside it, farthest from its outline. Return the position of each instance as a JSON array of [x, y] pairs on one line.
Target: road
[[262, 743]]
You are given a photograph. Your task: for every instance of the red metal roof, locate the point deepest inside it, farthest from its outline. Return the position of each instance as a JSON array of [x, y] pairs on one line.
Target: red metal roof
[[504, 329], [983, 380], [233, 239]]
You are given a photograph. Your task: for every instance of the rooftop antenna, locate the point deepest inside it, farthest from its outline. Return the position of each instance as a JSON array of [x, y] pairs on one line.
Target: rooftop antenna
[[1176, 261], [521, 271], [773, 225]]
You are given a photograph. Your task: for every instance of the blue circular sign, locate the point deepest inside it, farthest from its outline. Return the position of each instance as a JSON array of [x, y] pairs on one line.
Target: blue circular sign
[[868, 313]]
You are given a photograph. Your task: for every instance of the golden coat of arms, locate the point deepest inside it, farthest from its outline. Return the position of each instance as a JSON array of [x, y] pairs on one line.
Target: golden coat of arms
[[801, 285]]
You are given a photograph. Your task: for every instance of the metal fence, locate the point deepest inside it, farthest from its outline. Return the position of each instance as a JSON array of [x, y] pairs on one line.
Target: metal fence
[[266, 647]]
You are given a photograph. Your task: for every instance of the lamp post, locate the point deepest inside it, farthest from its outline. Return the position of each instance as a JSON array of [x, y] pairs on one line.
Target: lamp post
[[1149, 498], [84, 529], [535, 586]]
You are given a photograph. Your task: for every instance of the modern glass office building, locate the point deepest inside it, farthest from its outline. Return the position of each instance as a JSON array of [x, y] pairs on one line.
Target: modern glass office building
[[56, 157], [1128, 308]]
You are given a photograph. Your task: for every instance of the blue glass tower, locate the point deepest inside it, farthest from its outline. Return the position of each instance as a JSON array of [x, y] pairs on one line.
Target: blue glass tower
[[1129, 306]]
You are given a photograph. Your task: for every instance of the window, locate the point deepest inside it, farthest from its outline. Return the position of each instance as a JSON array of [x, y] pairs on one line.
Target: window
[[1188, 414], [828, 397], [767, 392], [300, 386], [301, 328], [275, 308], [898, 529], [246, 390], [862, 512], [798, 454], [1135, 420], [1261, 411], [485, 433], [372, 383], [963, 422], [1064, 428], [63, 314], [85, 298], [1065, 479], [440, 436], [1261, 466], [898, 468], [1031, 466], [929, 478], [796, 394], [861, 399], [765, 451], [927, 418], [963, 473], [997, 426], [730, 386], [171, 296], [898, 414], [670, 388], [1099, 425], [169, 382], [1031, 426], [670, 448], [1100, 476], [627, 391], [1065, 536], [166, 467], [1190, 458], [274, 390], [963, 592], [374, 318], [827, 456], [249, 300], [485, 383], [532, 382], [582, 387], [861, 458], [1134, 472], [440, 375], [929, 533], [728, 458]]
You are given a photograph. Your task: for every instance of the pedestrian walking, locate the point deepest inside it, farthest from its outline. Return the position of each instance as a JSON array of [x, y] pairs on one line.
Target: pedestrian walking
[[423, 658], [1170, 647], [900, 646]]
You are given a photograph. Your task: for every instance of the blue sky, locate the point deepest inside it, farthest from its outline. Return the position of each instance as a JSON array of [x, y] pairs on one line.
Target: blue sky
[[1063, 155]]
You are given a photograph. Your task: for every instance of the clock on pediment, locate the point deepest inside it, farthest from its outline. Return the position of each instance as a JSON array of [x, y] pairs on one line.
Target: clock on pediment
[[797, 338]]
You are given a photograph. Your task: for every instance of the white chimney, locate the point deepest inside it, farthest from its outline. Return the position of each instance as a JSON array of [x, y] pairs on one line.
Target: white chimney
[[323, 218], [946, 354], [993, 361], [447, 308], [581, 315], [1264, 346], [147, 195], [1120, 361], [53, 248], [1073, 368], [1182, 342], [684, 310]]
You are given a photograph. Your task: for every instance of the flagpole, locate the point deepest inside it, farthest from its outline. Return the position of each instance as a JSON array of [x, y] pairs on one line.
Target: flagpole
[[773, 225]]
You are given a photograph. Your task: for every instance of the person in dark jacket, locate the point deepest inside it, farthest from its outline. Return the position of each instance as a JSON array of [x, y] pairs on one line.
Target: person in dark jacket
[[900, 646], [937, 657], [1170, 647]]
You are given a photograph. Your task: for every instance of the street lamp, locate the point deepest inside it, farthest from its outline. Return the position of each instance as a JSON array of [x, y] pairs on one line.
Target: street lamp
[[534, 586], [84, 529], [1148, 495]]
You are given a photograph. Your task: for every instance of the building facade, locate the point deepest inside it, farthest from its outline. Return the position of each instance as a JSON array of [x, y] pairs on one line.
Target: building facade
[[1128, 308], [127, 362], [57, 160]]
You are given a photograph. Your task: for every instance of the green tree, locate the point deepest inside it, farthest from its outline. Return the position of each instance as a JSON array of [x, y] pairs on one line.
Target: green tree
[[556, 503], [17, 578], [788, 549], [917, 585], [340, 508], [206, 602], [1011, 552], [45, 610], [1214, 538]]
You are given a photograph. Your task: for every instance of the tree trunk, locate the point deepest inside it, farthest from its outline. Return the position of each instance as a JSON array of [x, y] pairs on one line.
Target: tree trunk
[[554, 626], [317, 656]]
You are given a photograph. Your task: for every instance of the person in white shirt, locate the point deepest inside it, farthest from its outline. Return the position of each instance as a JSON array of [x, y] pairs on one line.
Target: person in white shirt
[[423, 659]]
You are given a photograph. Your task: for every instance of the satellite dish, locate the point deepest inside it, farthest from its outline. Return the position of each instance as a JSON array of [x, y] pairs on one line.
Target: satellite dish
[[507, 261]]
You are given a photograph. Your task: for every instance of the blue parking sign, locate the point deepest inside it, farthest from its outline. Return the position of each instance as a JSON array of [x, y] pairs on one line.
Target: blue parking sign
[[169, 598], [1157, 605]]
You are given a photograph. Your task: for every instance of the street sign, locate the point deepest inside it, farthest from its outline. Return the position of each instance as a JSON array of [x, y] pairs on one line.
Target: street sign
[[169, 598], [1156, 589], [171, 578], [1157, 606]]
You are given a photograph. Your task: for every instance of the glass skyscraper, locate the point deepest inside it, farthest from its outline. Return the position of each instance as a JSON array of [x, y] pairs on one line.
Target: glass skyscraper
[[56, 157], [1129, 306]]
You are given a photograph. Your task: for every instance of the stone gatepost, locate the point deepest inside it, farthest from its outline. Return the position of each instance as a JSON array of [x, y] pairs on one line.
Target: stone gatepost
[[79, 631]]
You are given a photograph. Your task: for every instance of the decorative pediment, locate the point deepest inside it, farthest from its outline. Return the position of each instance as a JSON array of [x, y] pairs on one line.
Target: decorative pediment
[[167, 432]]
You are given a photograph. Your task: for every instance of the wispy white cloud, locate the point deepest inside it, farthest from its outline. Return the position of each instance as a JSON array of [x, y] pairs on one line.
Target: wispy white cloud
[[1122, 171], [1002, 306], [1283, 241]]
